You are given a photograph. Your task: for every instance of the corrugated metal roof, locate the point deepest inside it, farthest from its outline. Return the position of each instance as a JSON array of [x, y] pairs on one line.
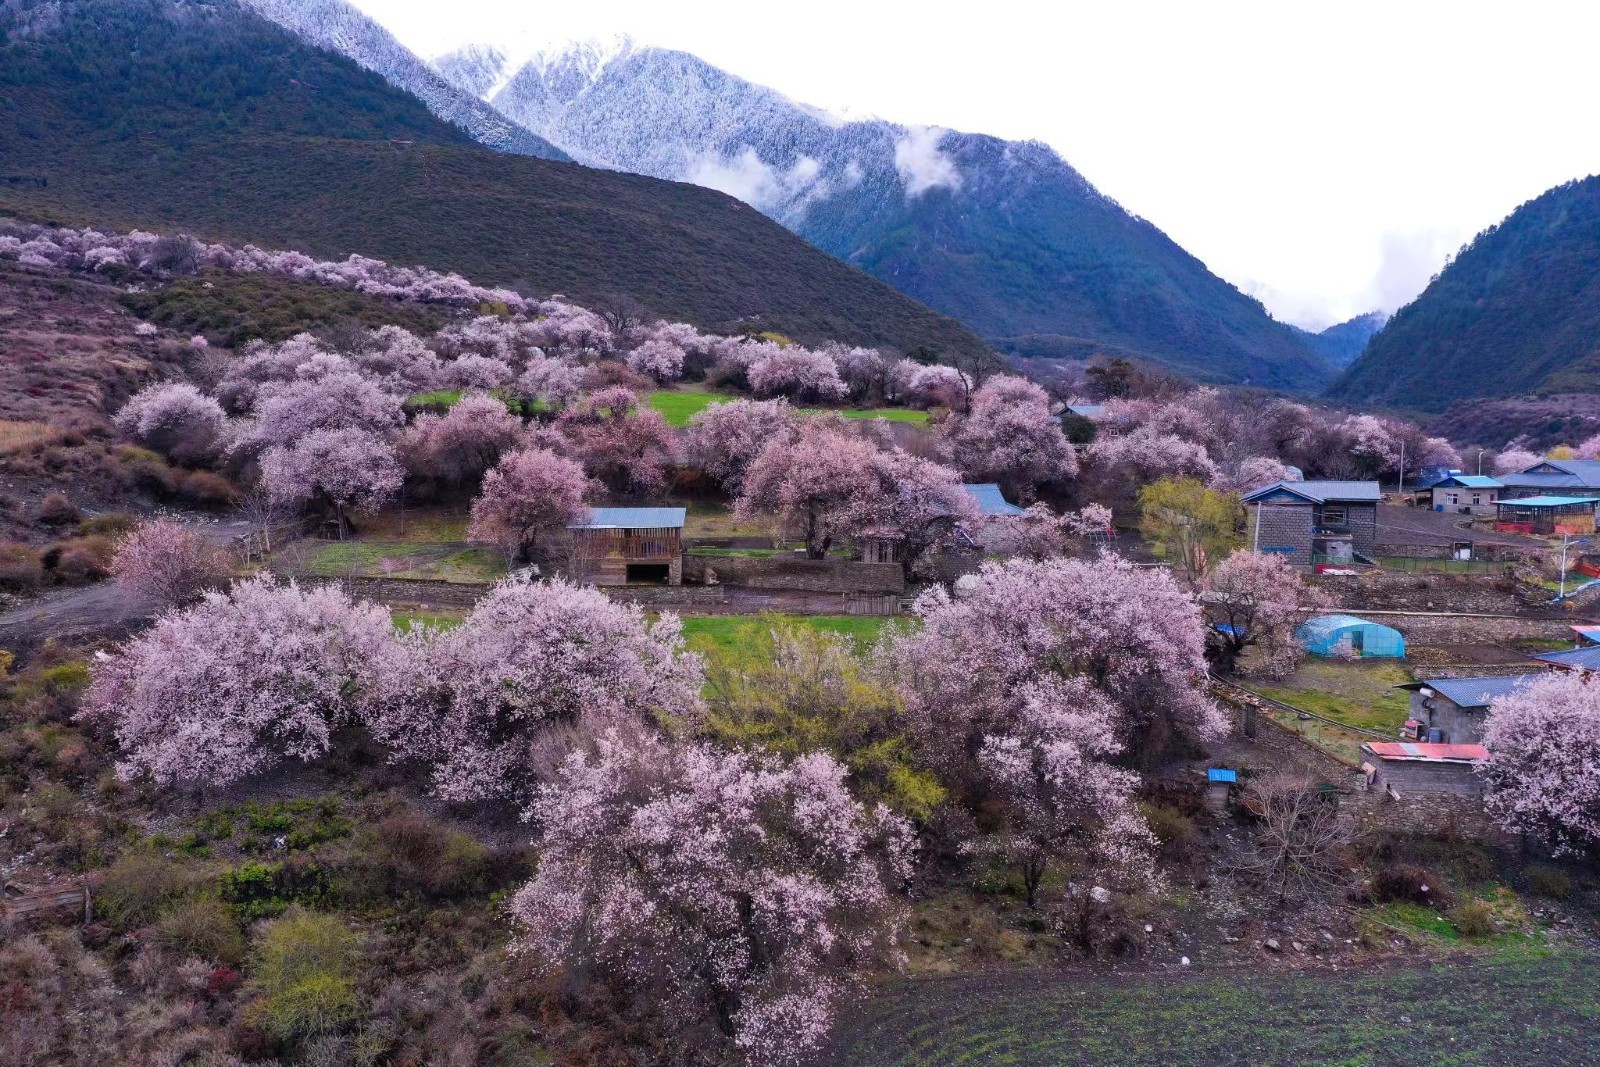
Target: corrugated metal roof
[[1548, 501], [1221, 774], [990, 500], [1088, 411], [1418, 750], [1321, 491], [632, 519], [1470, 481], [1586, 658], [1557, 474], [1476, 692], [1588, 633]]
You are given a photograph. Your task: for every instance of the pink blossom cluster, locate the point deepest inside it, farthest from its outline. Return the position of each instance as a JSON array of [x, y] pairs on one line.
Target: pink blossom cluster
[[530, 493], [1011, 437], [798, 373], [1543, 778], [240, 682], [488, 704], [169, 563], [176, 419], [742, 897]]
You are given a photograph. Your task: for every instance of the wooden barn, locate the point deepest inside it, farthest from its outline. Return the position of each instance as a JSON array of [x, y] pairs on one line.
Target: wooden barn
[[619, 546]]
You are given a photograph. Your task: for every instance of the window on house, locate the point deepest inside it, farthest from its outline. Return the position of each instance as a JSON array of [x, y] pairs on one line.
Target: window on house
[[1335, 516], [1477, 498]]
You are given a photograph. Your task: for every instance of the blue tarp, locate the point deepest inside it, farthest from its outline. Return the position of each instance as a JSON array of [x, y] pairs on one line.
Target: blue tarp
[[1222, 774], [1347, 635]]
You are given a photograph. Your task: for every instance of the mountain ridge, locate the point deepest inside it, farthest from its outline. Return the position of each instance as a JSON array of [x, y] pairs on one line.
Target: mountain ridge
[[167, 115]]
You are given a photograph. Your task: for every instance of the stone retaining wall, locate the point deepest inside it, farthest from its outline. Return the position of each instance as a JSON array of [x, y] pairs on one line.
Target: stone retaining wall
[[788, 572]]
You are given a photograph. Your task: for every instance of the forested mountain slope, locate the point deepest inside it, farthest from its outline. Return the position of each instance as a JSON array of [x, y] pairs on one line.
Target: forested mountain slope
[[180, 116], [1517, 311]]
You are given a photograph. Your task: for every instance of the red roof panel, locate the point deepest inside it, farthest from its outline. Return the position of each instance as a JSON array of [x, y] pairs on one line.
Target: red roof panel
[[1425, 751]]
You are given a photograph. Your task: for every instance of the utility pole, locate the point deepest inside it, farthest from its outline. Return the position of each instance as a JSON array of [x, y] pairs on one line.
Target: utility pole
[[1481, 451], [1402, 489], [1255, 541]]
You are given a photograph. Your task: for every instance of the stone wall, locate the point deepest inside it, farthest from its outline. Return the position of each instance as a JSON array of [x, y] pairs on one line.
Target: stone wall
[[1372, 589], [791, 572], [1285, 529], [1438, 814], [1364, 529], [414, 591]]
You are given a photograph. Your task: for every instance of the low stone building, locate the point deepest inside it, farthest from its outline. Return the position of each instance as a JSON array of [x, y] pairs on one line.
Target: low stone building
[[1406, 768], [1453, 710], [1316, 523]]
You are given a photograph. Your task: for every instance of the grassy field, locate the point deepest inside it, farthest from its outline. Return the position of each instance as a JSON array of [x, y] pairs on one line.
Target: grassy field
[[1358, 694], [681, 405], [441, 560], [718, 636], [1523, 1007]]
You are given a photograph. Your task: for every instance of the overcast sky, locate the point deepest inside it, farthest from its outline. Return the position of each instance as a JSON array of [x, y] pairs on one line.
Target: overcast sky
[[1325, 157]]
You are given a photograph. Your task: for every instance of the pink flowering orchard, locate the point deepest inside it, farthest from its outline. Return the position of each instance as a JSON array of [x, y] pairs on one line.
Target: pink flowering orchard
[[731, 900], [240, 682], [463, 443], [820, 485], [169, 563], [1011, 437], [726, 438]]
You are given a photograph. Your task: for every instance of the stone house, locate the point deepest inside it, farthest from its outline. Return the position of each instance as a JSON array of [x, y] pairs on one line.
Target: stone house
[[1314, 523], [1404, 768], [1453, 710], [618, 546]]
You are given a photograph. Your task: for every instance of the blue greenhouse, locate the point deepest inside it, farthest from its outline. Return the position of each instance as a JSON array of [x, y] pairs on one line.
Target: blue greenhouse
[[1347, 635]]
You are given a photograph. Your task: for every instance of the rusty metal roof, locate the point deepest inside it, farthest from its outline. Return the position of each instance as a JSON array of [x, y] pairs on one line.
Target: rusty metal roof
[[1418, 750]]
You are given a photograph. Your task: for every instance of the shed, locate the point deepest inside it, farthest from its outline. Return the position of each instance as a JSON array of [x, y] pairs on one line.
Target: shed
[[1347, 635], [1405, 767], [1454, 709], [614, 546], [1546, 515]]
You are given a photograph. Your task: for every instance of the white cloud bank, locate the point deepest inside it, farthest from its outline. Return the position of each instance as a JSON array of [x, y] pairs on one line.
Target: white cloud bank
[[920, 163]]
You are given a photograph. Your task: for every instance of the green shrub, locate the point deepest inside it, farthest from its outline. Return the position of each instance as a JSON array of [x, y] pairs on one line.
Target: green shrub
[[141, 885], [1173, 829], [309, 963], [1474, 920], [1547, 881], [203, 928], [261, 890], [111, 524], [409, 853]]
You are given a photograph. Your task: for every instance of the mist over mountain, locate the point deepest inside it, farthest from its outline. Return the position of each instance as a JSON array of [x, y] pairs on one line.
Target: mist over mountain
[[1516, 312], [1341, 343], [1005, 236]]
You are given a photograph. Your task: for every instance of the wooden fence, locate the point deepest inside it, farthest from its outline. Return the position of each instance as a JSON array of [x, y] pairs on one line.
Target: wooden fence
[[59, 899]]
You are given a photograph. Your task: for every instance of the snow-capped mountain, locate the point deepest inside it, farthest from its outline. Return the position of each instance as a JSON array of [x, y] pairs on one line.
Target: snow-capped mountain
[[1005, 236], [339, 27]]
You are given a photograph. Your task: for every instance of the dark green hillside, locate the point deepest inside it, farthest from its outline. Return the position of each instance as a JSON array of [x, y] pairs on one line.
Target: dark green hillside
[[204, 117], [1518, 311], [1341, 344]]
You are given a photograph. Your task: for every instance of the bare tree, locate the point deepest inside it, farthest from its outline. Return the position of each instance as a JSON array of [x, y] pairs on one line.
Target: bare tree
[[263, 512], [1302, 843]]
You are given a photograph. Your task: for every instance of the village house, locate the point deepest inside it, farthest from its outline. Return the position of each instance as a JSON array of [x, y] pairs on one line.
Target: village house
[[618, 546], [1403, 768], [1317, 522], [1582, 658], [1466, 494], [1453, 710], [1557, 477]]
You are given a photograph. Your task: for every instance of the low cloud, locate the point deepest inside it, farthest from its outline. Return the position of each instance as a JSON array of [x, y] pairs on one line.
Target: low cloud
[[920, 163], [1407, 262], [748, 177]]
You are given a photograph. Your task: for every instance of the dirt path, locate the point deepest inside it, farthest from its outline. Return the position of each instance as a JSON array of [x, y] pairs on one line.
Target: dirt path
[[104, 611]]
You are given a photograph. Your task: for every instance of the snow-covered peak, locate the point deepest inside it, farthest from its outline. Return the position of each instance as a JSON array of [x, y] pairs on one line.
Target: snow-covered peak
[[479, 69], [586, 59]]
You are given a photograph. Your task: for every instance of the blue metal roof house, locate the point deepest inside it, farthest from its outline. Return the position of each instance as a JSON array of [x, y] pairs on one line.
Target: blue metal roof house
[[990, 500], [1347, 635], [1562, 477]]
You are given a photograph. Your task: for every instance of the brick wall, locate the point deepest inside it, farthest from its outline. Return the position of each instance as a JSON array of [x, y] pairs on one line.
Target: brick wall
[[808, 575]]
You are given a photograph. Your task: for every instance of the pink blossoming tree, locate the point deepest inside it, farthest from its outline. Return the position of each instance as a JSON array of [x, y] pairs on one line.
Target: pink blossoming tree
[[800, 374], [726, 438], [552, 384], [623, 444], [1544, 776], [489, 704], [461, 444], [1256, 596], [531, 493], [175, 419], [732, 901], [169, 563], [1010, 437], [342, 470], [820, 485], [239, 682]]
